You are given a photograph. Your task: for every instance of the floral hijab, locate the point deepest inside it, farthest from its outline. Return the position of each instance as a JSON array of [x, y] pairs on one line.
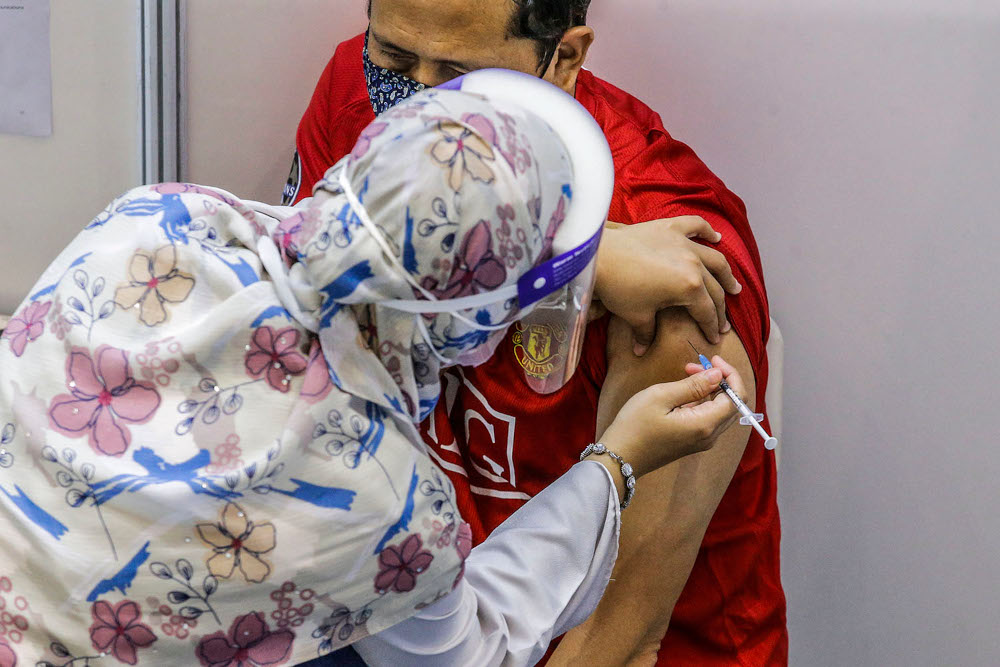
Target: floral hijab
[[475, 212], [191, 475]]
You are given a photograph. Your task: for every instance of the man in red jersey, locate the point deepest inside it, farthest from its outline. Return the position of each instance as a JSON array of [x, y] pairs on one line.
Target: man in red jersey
[[694, 585]]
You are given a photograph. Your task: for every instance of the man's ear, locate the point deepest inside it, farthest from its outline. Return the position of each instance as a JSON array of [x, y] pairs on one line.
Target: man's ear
[[569, 57]]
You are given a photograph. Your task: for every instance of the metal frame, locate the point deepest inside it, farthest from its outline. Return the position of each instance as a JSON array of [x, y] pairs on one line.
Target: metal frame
[[162, 78]]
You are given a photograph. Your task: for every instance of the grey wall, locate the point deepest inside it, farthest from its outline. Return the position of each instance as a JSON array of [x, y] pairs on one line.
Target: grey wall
[[865, 139], [243, 111], [863, 136], [51, 187], [251, 68]]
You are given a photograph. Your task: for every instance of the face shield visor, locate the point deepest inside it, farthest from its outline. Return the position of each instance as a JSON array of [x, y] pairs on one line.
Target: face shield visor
[[554, 297]]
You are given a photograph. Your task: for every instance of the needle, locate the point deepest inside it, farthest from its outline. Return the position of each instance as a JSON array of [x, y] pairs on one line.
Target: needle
[[749, 418]]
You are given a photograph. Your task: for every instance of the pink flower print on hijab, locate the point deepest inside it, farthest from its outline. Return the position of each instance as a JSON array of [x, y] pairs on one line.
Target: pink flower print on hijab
[[364, 143], [516, 154], [273, 354], [463, 545], [26, 326], [482, 125], [317, 383], [250, 643], [461, 151], [476, 269], [7, 657], [513, 147], [119, 630], [101, 398], [292, 231], [557, 219], [399, 566]]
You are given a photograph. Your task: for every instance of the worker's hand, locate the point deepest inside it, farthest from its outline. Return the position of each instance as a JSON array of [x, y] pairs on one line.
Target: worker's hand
[[644, 268], [665, 422]]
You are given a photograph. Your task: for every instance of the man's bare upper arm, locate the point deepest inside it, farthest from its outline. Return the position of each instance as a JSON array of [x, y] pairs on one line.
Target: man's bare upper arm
[[663, 528]]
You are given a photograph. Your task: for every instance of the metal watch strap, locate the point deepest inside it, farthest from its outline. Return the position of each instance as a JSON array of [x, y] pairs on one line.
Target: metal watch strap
[[627, 473]]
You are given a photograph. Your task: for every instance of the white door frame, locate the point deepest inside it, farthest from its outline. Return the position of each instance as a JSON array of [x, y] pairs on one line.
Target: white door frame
[[162, 80]]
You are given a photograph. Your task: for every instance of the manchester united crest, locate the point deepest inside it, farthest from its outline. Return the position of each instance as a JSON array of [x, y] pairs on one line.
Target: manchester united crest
[[538, 348]]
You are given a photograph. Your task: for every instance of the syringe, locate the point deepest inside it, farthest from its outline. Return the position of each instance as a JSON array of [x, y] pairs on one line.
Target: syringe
[[749, 418]]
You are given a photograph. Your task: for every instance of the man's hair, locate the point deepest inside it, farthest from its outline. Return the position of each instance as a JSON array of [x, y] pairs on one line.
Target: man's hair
[[544, 21]]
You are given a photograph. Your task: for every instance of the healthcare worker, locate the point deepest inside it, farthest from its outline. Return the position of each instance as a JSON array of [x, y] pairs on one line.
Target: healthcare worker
[[700, 566], [208, 409]]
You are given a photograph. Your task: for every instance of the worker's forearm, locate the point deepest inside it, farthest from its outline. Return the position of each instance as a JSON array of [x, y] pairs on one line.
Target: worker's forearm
[[663, 529], [541, 571]]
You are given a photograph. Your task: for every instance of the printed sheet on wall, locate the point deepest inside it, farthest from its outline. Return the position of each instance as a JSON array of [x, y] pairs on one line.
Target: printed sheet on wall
[[25, 68]]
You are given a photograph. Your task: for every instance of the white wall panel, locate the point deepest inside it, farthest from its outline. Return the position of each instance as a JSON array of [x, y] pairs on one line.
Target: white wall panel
[[51, 187], [251, 69], [864, 138]]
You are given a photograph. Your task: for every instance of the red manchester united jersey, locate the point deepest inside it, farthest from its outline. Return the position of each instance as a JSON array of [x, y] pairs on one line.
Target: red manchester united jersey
[[501, 443]]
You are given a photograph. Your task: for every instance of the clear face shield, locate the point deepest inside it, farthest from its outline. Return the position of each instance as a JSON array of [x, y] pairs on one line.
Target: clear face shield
[[553, 298], [548, 340]]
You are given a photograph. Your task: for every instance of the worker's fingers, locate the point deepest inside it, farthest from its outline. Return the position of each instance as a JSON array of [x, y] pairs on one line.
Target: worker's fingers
[[702, 309], [670, 395], [692, 368], [710, 418], [643, 333], [693, 226], [698, 402], [732, 376], [717, 263], [718, 297]]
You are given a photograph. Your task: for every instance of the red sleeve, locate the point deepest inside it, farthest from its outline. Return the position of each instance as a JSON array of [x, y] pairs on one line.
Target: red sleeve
[[338, 112], [312, 141], [667, 179]]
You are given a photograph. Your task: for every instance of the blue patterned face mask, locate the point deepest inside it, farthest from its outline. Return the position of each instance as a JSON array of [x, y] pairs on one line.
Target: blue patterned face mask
[[386, 88]]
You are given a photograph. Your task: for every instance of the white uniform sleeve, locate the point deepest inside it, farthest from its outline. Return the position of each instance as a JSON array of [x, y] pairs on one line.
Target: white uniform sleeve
[[540, 573]]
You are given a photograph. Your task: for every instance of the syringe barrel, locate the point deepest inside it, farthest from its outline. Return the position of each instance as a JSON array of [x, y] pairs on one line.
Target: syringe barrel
[[746, 412], [769, 442], [740, 405]]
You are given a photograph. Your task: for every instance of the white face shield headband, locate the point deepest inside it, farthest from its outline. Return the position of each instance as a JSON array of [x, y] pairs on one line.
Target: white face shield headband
[[554, 297]]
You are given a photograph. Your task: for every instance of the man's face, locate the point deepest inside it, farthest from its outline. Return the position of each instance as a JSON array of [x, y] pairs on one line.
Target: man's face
[[433, 41]]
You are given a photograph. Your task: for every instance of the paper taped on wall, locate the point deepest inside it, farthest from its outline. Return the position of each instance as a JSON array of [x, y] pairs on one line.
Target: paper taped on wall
[[25, 68]]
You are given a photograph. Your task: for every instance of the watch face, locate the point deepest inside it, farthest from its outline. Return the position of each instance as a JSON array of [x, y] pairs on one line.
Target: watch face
[[291, 190]]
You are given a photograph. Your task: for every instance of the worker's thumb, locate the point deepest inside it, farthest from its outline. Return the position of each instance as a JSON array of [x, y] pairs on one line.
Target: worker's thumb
[[690, 389]]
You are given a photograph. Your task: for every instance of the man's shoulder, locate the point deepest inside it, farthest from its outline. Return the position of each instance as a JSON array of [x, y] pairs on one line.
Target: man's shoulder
[[657, 176], [337, 113], [652, 168], [609, 104], [343, 85]]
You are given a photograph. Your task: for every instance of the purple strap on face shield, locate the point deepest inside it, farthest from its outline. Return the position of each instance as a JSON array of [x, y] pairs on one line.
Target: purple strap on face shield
[[451, 84], [543, 280]]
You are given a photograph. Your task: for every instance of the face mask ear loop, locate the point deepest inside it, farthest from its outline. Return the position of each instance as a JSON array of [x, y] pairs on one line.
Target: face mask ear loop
[[430, 343], [446, 306], [271, 259], [376, 234]]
